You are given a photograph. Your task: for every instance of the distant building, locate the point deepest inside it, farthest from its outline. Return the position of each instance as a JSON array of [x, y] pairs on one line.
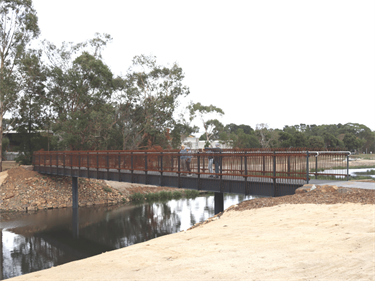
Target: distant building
[[195, 143]]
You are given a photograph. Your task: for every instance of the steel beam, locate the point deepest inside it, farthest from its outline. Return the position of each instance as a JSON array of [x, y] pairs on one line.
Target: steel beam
[[75, 192], [219, 202]]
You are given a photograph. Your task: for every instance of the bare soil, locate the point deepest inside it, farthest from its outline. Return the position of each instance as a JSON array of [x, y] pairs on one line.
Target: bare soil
[[22, 189], [324, 234], [318, 235]]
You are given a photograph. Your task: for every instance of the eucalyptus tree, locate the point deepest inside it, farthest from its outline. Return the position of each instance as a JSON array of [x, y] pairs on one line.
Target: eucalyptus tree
[[79, 91], [147, 102], [212, 127], [30, 116], [18, 27]]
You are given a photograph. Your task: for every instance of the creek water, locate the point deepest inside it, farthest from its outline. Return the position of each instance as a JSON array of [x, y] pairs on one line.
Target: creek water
[[53, 237], [353, 172]]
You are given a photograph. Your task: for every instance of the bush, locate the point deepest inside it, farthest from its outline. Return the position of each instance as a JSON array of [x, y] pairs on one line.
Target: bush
[[176, 194], [165, 195], [137, 197], [191, 193], [152, 196]]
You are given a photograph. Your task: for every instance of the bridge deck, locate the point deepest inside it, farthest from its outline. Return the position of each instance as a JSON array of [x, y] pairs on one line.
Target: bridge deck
[[223, 184]]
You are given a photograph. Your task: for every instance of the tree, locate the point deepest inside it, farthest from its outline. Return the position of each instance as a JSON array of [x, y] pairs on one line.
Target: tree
[[330, 141], [18, 26], [316, 142], [212, 127], [352, 142], [79, 87], [267, 137], [148, 98], [30, 116], [243, 140]]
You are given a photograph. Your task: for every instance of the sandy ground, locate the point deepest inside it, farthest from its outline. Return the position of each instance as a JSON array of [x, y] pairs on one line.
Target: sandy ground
[[283, 242]]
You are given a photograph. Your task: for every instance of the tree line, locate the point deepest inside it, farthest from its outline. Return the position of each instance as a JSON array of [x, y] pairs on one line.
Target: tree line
[[66, 98]]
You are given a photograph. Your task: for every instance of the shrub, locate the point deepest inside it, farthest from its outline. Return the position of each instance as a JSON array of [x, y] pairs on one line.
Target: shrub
[[107, 189], [191, 193], [137, 197], [165, 195], [176, 194]]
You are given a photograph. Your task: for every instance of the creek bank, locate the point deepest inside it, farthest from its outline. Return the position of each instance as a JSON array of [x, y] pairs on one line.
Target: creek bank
[[25, 190]]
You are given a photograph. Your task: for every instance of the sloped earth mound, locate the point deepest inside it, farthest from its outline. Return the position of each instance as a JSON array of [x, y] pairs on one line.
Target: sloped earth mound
[[25, 190], [321, 195]]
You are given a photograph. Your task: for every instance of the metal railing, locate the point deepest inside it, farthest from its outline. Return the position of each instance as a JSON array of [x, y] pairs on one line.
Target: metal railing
[[246, 163]]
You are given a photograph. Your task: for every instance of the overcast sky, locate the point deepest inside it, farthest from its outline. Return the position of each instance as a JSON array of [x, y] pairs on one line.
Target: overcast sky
[[278, 62]]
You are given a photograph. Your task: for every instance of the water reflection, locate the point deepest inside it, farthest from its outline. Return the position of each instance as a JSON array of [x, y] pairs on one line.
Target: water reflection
[[54, 237]]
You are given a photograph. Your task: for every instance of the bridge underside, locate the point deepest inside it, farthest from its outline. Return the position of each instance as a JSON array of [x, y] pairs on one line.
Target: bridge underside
[[237, 185]]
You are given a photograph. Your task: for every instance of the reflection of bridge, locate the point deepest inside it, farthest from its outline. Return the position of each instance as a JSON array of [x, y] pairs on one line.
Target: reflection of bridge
[[256, 172]]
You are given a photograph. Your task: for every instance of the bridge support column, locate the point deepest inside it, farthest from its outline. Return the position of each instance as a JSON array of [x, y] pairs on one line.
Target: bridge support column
[[75, 192], [219, 202], [75, 222]]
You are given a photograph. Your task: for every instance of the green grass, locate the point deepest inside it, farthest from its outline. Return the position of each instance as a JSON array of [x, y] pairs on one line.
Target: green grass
[[137, 197], [107, 189], [177, 194], [163, 196], [191, 193]]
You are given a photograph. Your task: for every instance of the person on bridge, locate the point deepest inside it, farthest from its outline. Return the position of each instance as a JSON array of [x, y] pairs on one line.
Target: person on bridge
[[218, 159], [183, 158], [210, 160], [188, 161]]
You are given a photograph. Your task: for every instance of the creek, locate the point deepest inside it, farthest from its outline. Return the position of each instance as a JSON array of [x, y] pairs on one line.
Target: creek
[[53, 237]]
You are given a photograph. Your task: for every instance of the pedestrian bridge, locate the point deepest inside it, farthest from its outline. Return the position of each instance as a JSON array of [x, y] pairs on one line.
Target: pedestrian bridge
[[261, 172]]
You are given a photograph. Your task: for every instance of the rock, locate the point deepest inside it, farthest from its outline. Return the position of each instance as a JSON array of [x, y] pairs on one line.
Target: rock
[[344, 190], [305, 188], [327, 188], [11, 195]]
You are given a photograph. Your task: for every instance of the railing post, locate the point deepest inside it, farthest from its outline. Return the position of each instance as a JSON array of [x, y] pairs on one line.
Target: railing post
[[316, 166], [132, 166], [88, 165], [221, 174], [264, 165], [107, 165], [145, 167], [79, 164], [64, 163], [274, 175], [347, 167], [119, 166], [245, 162], [199, 171], [97, 165], [71, 164], [161, 168], [307, 166], [179, 169]]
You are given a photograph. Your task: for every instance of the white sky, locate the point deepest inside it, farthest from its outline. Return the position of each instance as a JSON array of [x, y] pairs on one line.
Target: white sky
[[280, 62]]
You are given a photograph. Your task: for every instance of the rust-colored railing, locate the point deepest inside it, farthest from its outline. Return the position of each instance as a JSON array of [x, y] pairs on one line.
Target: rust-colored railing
[[278, 163]]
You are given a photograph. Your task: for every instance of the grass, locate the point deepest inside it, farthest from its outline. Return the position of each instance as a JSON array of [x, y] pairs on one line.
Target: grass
[[163, 196], [107, 189]]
